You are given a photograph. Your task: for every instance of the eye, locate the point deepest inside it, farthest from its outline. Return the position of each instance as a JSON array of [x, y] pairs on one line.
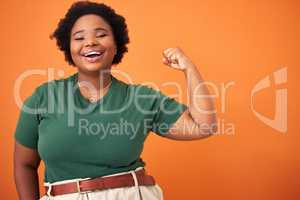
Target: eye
[[102, 35], [80, 38]]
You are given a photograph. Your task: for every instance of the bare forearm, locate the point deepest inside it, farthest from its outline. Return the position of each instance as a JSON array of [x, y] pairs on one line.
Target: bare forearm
[[201, 106], [27, 182]]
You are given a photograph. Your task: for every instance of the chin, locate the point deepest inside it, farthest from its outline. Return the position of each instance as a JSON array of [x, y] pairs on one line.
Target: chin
[[91, 67]]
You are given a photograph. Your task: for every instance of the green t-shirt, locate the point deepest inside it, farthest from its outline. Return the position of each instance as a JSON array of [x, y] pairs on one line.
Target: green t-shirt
[[78, 139]]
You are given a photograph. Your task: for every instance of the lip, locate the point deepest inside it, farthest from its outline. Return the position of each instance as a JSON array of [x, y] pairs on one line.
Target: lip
[[90, 50], [93, 59]]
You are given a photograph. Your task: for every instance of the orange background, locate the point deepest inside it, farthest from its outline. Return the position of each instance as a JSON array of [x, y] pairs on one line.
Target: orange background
[[236, 40]]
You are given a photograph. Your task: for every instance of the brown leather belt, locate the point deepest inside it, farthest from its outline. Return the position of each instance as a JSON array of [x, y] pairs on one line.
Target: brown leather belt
[[101, 183]]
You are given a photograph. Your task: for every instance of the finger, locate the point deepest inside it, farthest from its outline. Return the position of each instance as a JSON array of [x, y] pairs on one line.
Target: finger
[[166, 51], [165, 55], [172, 57], [165, 60], [169, 51], [172, 52]]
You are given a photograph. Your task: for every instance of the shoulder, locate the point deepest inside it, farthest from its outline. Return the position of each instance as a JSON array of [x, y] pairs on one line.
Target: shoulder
[[49, 88], [53, 85]]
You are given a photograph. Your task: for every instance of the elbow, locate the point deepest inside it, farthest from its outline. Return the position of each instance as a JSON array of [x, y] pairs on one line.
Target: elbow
[[213, 128], [209, 132], [209, 126], [208, 129]]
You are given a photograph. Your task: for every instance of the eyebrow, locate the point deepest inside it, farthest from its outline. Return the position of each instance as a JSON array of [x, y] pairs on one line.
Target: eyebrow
[[96, 29]]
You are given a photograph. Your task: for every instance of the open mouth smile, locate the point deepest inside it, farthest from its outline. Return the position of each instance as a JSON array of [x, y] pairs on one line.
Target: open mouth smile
[[92, 56]]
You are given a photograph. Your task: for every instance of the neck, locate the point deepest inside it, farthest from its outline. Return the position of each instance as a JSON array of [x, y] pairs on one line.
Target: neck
[[100, 80]]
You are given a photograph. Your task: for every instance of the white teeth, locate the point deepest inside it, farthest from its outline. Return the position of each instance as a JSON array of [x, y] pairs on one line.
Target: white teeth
[[92, 53]]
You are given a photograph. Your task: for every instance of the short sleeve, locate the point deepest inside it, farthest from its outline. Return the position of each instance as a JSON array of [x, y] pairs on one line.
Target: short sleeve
[[168, 110], [26, 132]]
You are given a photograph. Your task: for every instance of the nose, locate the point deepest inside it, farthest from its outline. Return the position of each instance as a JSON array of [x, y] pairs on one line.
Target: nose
[[91, 42]]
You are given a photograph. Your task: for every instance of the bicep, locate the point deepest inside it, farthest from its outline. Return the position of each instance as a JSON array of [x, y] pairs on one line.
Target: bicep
[[185, 128], [26, 156]]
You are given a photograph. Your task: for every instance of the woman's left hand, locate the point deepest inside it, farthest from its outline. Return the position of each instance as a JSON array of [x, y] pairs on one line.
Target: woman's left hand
[[175, 58]]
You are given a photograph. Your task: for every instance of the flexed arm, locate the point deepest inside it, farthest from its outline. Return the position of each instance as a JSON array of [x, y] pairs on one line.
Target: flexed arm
[[199, 120]]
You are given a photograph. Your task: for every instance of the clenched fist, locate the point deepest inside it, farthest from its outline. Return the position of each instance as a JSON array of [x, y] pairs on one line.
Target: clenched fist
[[175, 58]]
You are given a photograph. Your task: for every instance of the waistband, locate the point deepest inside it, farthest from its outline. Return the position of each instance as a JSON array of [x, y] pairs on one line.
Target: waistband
[[137, 177], [81, 179]]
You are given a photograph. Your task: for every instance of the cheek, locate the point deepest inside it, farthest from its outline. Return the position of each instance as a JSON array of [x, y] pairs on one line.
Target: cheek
[[112, 48], [109, 43], [74, 50]]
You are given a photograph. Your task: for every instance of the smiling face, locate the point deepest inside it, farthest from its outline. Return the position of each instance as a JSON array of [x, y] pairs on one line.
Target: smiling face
[[92, 44]]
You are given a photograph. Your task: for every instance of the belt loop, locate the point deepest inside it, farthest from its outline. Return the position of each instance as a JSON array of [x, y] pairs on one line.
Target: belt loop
[[49, 190], [78, 186], [136, 184], [79, 192]]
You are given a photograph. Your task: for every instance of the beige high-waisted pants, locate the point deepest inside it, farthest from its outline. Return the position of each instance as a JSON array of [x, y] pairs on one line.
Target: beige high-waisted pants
[[137, 192]]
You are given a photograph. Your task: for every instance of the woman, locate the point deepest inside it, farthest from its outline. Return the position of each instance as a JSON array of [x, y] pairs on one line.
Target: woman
[[67, 123]]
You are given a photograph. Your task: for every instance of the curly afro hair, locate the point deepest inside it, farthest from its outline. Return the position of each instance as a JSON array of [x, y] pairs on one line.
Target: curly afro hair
[[80, 8]]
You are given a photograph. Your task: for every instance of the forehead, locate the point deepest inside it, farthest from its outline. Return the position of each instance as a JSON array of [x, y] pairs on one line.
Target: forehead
[[88, 22]]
